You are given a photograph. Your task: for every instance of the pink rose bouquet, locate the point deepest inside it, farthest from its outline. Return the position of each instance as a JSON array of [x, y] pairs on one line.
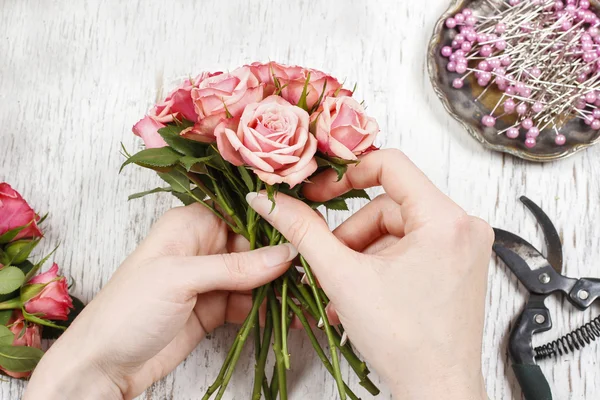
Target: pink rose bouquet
[[266, 127], [31, 306]]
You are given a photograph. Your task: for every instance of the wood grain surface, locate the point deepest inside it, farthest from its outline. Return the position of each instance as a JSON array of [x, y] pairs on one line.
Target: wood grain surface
[[76, 75]]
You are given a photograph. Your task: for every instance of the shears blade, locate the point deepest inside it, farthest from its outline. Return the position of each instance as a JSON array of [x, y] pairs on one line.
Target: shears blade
[[554, 246]]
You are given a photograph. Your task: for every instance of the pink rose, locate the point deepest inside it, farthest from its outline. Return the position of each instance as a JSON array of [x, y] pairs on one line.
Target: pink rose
[[177, 106], [31, 336], [343, 129], [223, 95], [15, 213], [272, 137], [53, 301], [293, 79]]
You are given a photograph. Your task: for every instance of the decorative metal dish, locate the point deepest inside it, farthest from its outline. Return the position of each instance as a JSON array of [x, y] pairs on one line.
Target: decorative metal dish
[[462, 104]]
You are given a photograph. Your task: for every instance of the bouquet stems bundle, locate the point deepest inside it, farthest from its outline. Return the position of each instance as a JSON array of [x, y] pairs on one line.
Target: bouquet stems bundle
[[264, 127]]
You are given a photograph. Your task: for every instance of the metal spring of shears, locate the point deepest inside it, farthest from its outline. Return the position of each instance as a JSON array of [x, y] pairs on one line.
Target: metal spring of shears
[[571, 342]]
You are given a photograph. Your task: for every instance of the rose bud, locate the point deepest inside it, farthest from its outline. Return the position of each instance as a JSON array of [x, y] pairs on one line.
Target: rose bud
[[343, 129], [272, 137], [16, 213], [19, 251], [26, 334], [47, 296]]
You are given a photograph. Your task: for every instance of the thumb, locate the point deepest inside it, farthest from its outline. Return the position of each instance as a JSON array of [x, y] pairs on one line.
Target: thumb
[[236, 271], [303, 227]]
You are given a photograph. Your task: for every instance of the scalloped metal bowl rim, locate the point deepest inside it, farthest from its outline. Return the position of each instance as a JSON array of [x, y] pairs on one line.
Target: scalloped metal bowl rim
[[433, 70]]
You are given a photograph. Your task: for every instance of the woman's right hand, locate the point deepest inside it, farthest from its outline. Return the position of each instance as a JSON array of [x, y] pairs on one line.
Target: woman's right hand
[[406, 275]]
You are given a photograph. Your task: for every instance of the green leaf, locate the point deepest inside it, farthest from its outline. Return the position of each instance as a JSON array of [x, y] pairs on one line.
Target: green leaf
[[187, 199], [172, 135], [336, 204], [5, 316], [19, 358], [37, 266], [340, 169], [191, 163], [54, 333], [10, 235], [154, 158], [11, 279], [6, 336], [318, 103], [147, 192], [40, 321], [178, 181], [355, 194], [28, 292], [302, 101], [246, 178]]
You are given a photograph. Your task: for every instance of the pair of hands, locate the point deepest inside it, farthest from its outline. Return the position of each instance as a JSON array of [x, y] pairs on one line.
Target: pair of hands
[[417, 260]]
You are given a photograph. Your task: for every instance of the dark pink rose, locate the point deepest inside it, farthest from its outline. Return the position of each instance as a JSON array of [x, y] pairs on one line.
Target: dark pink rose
[[53, 301], [225, 95], [272, 137], [26, 334], [15, 213], [343, 129], [293, 79]]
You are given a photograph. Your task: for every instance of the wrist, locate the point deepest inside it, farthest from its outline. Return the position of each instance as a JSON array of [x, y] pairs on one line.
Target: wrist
[[70, 375]]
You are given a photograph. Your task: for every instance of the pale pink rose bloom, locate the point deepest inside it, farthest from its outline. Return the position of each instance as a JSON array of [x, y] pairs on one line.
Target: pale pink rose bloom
[[217, 97], [272, 137], [177, 106], [30, 337], [54, 301], [293, 79], [15, 213], [343, 129]]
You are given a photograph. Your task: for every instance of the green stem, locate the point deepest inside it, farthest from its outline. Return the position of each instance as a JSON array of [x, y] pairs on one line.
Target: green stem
[[243, 336], [315, 343], [328, 329], [11, 304], [213, 388], [262, 358], [284, 319], [281, 374], [274, 383]]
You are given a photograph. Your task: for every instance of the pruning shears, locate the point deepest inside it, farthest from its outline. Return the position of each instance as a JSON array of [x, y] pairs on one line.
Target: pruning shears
[[542, 276]]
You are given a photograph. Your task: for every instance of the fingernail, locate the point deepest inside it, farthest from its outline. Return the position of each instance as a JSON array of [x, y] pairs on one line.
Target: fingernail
[[259, 202], [277, 255], [320, 324]]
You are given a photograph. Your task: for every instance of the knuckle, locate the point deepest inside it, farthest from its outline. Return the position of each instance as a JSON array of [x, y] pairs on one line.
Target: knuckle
[[483, 230], [298, 231], [234, 265]]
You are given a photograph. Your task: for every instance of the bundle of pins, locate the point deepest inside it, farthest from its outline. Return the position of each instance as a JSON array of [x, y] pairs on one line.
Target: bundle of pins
[[542, 55]]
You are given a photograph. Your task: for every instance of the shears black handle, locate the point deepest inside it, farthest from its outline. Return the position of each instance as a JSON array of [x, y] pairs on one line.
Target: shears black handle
[[533, 382], [534, 319]]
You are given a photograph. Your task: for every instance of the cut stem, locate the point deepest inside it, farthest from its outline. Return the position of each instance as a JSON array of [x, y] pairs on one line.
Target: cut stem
[[243, 336], [315, 343], [259, 376], [284, 319], [279, 364], [337, 373]]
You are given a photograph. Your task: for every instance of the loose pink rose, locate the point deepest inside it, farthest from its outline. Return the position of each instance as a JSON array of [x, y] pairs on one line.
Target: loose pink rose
[[217, 96], [177, 106], [15, 213], [30, 337], [293, 79], [343, 129], [272, 137], [53, 302]]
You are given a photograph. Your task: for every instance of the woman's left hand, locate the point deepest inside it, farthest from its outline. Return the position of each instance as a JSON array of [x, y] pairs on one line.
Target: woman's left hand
[[182, 282]]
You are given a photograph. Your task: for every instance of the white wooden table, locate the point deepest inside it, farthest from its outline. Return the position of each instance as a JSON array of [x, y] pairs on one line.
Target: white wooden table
[[75, 76]]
